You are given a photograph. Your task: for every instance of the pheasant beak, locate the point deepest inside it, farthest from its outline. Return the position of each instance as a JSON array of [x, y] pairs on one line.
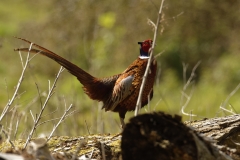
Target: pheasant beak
[[140, 43]]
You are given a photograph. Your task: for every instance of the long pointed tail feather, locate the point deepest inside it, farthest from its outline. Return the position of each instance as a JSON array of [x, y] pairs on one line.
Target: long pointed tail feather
[[95, 88], [82, 75]]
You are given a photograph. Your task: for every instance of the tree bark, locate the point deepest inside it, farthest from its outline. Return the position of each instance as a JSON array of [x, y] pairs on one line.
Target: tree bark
[[162, 136], [222, 131], [150, 136]]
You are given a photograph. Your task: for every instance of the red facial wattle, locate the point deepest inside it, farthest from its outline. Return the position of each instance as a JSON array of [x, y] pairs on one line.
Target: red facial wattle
[[145, 46]]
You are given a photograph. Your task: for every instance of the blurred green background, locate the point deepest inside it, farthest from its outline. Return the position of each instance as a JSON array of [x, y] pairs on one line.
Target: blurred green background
[[101, 37]]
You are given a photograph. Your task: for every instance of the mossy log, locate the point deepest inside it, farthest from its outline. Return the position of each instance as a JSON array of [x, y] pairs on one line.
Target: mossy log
[[162, 136], [147, 136]]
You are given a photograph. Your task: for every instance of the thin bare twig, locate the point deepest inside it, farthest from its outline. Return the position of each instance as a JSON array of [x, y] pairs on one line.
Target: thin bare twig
[[30, 103], [6, 87], [39, 94], [191, 76], [59, 122], [50, 93], [17, 125], [87, 127], [185, 66], [232, 108], [138, 105], [174, 17], [7, 136], [159, 54], [20, 94], [223, 105], [53, 119], [189, 81], [188, 97], [227, 110], [6, 108], [10, 128], [51, 113]]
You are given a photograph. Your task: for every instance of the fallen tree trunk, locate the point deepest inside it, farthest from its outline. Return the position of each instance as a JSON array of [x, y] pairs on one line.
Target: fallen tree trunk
[[162, 136], [222, 131], [147, 136]]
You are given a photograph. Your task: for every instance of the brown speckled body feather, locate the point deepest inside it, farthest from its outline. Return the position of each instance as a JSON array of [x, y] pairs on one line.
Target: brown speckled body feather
[[137, 68], [120, 90]]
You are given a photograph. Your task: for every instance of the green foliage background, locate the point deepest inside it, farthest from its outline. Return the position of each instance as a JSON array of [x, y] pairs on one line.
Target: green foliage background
[[101, 37]]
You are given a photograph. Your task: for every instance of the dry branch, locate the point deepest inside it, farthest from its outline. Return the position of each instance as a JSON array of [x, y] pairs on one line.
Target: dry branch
[[6, 108], [37, 120], [138, 104], [59, 122]]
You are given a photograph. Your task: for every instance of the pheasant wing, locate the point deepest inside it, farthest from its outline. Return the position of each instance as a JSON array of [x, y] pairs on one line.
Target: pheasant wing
[[121, 90]]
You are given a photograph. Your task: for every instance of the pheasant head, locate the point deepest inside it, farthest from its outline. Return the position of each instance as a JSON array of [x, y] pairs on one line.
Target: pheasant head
[[145, 47]]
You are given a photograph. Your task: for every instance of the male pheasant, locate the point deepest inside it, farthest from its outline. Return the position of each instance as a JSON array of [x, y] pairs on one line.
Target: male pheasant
[[119, 93]]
